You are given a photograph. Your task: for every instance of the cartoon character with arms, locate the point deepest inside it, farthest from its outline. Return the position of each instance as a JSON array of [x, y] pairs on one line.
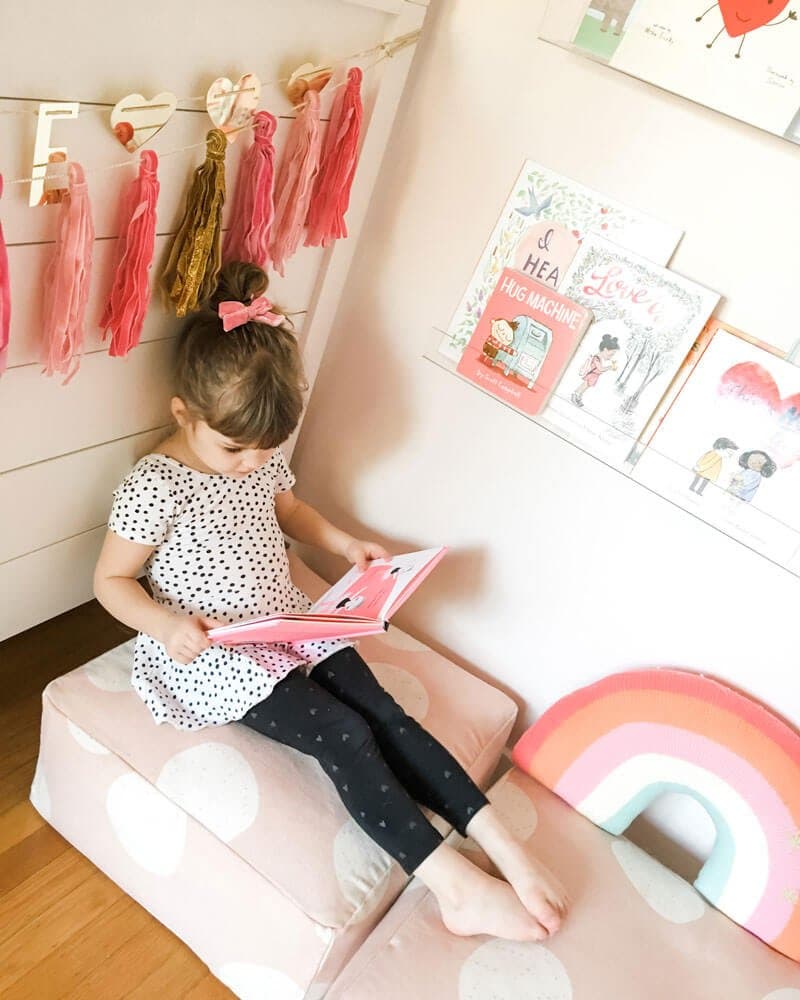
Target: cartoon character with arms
[[499, 340], [743, 17]]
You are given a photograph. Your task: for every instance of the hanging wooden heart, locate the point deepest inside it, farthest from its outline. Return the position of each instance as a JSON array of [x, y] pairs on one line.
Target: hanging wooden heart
[[307, 77], [135, 120], [230, 106]]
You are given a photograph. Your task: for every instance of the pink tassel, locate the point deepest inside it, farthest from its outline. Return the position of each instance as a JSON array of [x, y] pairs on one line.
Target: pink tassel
[[253, 204], [331, 196], [5, 297], [125, 308], [295, 181], [67, 280]]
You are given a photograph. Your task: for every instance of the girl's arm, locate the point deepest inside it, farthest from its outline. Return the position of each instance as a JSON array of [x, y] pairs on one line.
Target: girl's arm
[[302, 522], [120, 593]]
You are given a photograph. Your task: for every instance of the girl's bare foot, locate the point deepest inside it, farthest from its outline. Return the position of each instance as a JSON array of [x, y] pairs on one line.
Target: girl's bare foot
[[472, 902], [541, 893], [479, 858]]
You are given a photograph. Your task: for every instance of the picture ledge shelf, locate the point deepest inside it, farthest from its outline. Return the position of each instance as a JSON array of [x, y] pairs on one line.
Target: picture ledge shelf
[[791, 564]]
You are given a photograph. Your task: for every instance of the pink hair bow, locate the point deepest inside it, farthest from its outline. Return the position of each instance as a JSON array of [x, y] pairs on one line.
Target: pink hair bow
[[235, 314]]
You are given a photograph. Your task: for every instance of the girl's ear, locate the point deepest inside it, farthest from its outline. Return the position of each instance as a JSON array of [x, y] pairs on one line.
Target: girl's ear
[[179, 411]]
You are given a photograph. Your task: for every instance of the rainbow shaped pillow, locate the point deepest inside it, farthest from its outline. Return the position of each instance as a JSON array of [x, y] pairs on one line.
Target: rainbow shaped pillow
[[611, 748]]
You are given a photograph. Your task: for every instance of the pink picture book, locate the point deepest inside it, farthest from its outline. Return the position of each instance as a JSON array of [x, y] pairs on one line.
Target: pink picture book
[[360, 604], [525, 338]]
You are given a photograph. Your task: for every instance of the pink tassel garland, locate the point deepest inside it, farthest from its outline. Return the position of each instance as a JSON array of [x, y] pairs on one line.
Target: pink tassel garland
[[67, 280], [331, 197], [295, 181], [247, 238], [5, 297], [125, 308]]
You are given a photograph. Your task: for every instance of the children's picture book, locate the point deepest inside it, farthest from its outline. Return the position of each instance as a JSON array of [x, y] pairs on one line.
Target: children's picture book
[[360, 604], [523, 341], [540, 229], [728, 449], [646, 319], [708, 333], [736, 56]]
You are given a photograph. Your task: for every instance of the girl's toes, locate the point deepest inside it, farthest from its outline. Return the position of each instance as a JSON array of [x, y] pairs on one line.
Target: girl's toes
[[544, 911], [539, 933], [548, 916]]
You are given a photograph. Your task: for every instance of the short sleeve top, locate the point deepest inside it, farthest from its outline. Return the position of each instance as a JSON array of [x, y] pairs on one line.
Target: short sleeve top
[[219, 552], [219, 547]]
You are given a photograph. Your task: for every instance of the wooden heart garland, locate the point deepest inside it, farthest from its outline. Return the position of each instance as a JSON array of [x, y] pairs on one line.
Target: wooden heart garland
[[231, 106], [135, 119], [307, 77]]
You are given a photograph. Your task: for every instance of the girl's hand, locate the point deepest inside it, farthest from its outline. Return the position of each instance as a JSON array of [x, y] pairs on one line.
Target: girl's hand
[[362, 553], [185, 636]]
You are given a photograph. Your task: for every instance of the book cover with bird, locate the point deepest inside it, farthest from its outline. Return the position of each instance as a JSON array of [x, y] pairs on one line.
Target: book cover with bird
[[541, 227]]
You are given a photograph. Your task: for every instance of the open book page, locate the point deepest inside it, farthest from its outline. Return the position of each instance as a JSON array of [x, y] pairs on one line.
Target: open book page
[[358, 605], [381, 588], [294, 628]]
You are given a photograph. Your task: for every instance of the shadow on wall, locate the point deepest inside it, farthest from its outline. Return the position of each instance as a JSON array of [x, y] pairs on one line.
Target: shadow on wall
[[362, 412], [377, 409], [372, 405]]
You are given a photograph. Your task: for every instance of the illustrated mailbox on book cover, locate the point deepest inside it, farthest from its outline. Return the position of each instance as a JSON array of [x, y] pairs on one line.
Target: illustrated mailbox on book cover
[[524, 340], [360, 604]]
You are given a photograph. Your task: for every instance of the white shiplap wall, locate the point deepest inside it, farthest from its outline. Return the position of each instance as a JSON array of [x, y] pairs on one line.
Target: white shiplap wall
[[64, 448]]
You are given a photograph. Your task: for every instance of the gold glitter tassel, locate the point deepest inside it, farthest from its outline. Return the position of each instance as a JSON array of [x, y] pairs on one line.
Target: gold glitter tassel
[[194, 261]]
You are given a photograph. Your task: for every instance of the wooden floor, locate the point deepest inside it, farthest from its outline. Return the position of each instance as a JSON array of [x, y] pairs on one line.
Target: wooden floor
[[65, 929]]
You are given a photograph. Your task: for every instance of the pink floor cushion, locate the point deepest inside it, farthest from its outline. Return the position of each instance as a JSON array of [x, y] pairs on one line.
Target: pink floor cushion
[[636, 931], [239, 845], [611, 748]]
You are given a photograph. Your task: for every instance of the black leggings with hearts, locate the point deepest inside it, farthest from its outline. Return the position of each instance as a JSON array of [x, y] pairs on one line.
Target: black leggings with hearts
[[378, 757]]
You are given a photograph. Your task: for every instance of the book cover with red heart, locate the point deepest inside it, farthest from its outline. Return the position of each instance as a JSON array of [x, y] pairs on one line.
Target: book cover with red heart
[[525, 338], [728, 449], [739, 57]]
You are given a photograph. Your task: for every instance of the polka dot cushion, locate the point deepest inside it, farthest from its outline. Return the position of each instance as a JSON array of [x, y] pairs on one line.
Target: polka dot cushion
[[239, 845], [636, 931]]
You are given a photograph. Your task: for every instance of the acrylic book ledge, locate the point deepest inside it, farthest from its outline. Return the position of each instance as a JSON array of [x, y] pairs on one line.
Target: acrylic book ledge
[[755, 529]]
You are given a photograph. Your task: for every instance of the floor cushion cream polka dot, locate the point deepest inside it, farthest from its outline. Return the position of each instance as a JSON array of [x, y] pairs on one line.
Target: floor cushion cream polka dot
[[241, 846], [636, 930]]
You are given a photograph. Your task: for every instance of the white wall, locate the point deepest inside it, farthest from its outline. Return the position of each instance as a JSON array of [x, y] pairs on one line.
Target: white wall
[[561, 570], [64, 448]]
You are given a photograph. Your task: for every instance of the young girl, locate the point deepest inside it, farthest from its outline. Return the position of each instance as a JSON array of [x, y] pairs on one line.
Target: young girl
[[595, 366], [204, 516], [755, 466]]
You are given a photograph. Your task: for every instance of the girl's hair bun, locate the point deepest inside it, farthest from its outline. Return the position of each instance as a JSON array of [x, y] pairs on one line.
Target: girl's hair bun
[[247, 384], [239, 282]]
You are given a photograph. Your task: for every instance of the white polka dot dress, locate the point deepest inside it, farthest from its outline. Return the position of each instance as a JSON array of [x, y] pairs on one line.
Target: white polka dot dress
[[220, 553]]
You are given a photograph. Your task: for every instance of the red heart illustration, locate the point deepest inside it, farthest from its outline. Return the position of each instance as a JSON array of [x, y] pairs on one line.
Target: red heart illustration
[[742, 16], [752, 383]]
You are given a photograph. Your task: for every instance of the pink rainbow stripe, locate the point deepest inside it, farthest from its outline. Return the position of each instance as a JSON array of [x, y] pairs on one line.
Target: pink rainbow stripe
[[606, 754], [729, 751], [682, 682]]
